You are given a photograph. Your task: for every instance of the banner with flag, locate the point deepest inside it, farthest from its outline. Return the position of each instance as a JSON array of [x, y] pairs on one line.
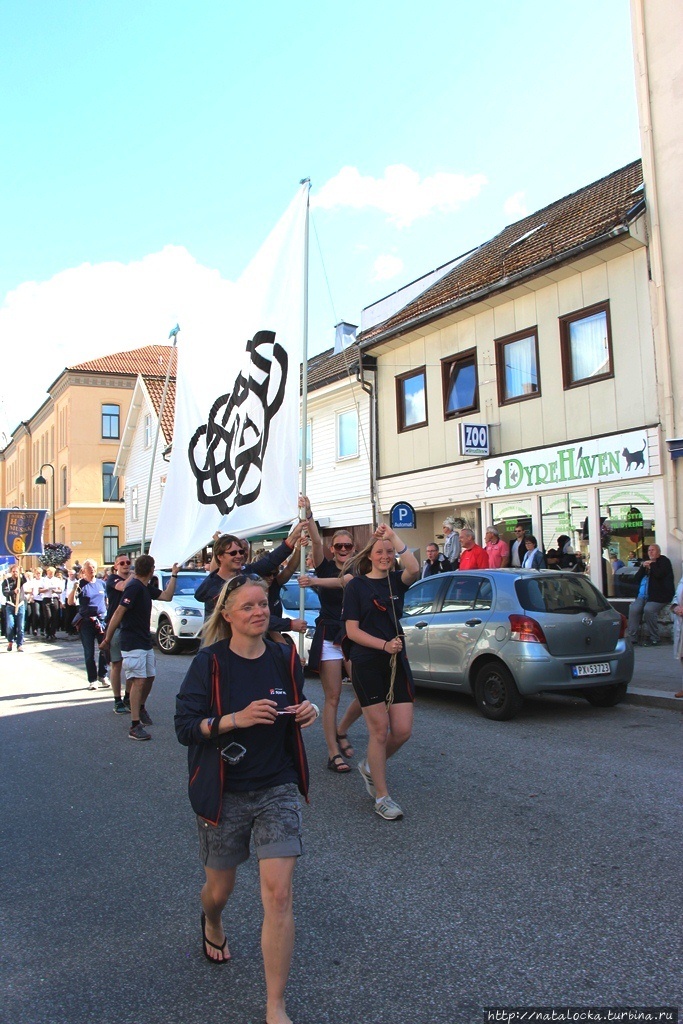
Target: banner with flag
[[234, 464], [21, 531]]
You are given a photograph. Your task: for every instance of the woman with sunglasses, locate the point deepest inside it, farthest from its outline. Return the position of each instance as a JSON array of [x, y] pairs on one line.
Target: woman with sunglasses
[[326, 657], [228, 560], [373, 606], [240, 712]]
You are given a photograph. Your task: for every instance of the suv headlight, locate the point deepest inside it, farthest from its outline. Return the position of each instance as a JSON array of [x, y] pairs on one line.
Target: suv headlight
[[188, 611]]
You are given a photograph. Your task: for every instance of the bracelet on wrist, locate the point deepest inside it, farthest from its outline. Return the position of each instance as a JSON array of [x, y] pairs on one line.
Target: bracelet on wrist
[[403, 550], [234, 721]]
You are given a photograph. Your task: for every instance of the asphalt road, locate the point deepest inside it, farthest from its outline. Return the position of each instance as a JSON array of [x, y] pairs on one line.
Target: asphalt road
[[538, 864]]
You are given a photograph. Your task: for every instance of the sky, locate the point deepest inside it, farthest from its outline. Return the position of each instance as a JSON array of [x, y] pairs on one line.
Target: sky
[[149, 148]]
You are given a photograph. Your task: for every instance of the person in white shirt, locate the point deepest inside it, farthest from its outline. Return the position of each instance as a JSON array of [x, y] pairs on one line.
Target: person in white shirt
[[49, 589], [518, 547]]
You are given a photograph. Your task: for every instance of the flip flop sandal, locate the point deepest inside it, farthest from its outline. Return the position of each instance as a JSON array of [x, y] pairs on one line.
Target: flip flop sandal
[[344, 745], [207, 942], [338, 764]]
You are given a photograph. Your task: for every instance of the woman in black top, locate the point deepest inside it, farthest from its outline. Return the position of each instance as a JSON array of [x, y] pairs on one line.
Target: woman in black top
[[240, 712], [373, 605]]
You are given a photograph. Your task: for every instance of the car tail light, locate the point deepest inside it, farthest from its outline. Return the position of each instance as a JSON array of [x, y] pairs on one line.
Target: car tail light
[[527, 630], [623, 627]]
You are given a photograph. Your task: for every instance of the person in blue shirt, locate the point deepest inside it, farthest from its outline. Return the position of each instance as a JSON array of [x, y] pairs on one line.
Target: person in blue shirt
[[89, 595]]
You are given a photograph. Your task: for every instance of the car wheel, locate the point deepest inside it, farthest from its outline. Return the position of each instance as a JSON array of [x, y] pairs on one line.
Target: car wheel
[[166, 638], [605, 696], [495, 692]]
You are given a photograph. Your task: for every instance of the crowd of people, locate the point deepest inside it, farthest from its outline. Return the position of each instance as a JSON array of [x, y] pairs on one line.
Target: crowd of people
[[242, 706]]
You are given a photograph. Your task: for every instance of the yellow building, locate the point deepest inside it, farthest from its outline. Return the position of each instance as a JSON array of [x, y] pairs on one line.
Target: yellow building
[[72, 441]]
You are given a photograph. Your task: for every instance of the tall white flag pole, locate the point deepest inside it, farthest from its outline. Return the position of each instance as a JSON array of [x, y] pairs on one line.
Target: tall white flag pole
[[174, 334], [304, 407]]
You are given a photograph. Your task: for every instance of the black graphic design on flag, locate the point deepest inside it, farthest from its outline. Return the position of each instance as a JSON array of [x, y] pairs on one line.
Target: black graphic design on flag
[[226, 453]]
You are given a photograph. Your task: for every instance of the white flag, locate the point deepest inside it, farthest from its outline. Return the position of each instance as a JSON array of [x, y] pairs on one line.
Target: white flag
[[234, 464]]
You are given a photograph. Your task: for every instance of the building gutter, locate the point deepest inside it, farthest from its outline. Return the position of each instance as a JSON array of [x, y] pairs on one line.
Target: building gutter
[[507, 282]]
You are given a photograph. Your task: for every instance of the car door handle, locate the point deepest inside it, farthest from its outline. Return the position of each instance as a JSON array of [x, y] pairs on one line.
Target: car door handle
[[421, 624], [473, 622]]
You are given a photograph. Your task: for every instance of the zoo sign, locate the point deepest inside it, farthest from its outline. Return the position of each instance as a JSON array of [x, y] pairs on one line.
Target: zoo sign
[[597, 460]]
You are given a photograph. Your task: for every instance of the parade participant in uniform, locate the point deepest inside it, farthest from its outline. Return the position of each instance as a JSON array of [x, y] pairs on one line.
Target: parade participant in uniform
[[373, 605], [49, 589], [115, 584], [228, 560], [240, 712], [326, 655], [133, 615]]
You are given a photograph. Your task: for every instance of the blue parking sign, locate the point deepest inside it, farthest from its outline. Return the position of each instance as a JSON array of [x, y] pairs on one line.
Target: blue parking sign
[[402, 516]]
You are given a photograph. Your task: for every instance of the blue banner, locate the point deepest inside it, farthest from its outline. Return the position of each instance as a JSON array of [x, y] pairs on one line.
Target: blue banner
[[21, 531]]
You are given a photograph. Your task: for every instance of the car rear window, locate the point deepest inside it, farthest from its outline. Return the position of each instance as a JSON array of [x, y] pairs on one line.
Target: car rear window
[[560, 594]]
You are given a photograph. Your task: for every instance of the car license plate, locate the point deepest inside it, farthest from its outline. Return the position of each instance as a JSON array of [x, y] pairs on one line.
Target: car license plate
[[598, 668]]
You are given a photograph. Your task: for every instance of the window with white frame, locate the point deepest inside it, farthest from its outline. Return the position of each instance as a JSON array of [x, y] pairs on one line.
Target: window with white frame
[[134, 503], [309, 445], [347, 434], [148, 431]]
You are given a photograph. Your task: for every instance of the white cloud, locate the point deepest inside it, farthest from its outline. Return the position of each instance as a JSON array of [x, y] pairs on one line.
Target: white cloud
[[96, 309], [515, 206], [399, 193], [386, 267]]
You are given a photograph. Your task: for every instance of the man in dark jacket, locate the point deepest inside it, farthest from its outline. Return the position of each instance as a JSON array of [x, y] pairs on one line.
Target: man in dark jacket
[[655, 580], [435, 562]]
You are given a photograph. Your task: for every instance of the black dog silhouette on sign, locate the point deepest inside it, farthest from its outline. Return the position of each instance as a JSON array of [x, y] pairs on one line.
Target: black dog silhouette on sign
[[226, 453]]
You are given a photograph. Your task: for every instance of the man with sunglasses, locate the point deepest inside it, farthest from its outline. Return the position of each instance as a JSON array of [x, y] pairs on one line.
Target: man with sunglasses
[[134, 614], [115, 583], [518, 547], [228, 561]]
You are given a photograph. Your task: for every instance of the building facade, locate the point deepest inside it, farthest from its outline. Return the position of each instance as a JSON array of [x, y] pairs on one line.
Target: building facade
[[543, 336], [72, 442]]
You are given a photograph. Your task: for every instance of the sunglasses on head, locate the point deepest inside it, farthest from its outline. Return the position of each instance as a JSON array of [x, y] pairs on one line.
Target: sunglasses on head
[[342, 547], [239, 581]]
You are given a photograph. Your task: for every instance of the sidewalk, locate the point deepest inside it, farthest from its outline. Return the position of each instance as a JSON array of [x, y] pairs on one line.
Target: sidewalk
[[656, 677]]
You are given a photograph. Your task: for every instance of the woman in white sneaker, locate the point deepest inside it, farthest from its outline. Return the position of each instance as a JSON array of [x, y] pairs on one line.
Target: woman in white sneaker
[[381, 678]]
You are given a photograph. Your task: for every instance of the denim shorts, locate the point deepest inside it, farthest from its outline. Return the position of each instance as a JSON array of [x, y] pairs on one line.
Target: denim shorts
[[115, 646], [139, 664], [272, 816]]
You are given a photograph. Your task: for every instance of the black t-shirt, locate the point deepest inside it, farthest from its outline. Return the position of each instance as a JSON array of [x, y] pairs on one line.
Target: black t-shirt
[[331, 599], [137, 600], [266, 762], [376, 609], [113, 595]]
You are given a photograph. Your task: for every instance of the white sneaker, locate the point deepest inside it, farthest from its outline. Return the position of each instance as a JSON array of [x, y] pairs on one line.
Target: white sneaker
[[388, 809], [367, 779]]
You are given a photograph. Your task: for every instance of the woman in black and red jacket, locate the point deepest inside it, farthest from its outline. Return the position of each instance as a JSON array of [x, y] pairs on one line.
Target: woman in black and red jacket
[[240, 712]]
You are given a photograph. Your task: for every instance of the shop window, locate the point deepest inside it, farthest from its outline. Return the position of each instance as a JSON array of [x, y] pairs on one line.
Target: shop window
[[347, 434], [110, 483], [110, 544], [460, 385], [411, 399], [517, 363], [627, 528], [564, 531], [586, 342], [111, 419]]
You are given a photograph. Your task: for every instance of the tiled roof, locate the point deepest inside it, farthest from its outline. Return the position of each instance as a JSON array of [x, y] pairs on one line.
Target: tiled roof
[[330, 366], [155, 387], [150, 360], [578, 219]]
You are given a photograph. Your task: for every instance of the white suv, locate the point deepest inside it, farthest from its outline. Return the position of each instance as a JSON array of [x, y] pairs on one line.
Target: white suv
[[178, 623]]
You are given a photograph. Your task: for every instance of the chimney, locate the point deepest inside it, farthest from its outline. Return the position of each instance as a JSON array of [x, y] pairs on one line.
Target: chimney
[[344, 335]]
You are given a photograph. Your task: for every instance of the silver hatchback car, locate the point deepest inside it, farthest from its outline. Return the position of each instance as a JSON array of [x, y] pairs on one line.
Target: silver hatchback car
[[505, 634]]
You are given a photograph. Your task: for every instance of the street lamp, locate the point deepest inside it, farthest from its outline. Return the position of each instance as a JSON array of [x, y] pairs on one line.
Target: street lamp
[[40, 479]]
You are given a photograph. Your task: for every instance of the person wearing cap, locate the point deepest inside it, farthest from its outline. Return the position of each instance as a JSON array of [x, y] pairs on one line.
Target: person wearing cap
[[497, 550]]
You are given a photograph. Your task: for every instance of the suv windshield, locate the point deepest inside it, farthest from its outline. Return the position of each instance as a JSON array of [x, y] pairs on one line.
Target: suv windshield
[[560, 594], [186, 584]]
